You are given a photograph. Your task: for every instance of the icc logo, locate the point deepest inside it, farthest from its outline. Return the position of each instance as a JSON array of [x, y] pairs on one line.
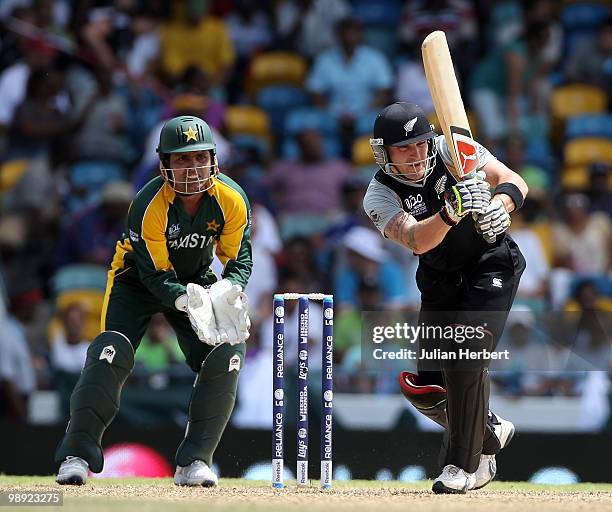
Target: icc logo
[[279, 394]]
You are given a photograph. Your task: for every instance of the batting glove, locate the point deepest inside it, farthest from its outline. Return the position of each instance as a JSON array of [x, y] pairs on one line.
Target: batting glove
[[494, 221], [470, 195]]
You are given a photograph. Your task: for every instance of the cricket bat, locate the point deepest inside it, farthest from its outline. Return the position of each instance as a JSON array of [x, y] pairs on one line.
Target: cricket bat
[[447, 101]]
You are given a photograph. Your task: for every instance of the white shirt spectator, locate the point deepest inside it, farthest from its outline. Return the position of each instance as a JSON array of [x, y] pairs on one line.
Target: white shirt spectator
[[15, 358], [67, 356], [537, 269], [13, 83]]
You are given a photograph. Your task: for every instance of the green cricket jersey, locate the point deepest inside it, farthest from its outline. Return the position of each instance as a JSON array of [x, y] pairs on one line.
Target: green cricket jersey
[[164, 248]]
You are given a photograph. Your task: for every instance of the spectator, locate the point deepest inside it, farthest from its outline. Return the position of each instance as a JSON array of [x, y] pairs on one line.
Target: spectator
[[591, 340], [68, 347], [195, 38], [311, 184], [367, 259], [92, 233], [144, 49], [521, 374], [297, 260], [582, 240], [509, 82], [159, 347], [599, 192], [37, 53], [411, 84], [351, 78], [533, 286], [589, 61], [194, 95], [249, 28], [103, 136], [309, 26], [455, 17], [17, 375]]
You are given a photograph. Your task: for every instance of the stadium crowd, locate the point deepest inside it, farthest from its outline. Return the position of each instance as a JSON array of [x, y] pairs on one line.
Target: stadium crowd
[[291, 89]]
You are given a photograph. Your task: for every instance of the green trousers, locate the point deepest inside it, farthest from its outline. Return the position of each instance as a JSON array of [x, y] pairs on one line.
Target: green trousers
[[127, 310]]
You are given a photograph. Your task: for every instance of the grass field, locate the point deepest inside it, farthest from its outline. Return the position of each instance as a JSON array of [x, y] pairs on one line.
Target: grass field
[[161, 495]]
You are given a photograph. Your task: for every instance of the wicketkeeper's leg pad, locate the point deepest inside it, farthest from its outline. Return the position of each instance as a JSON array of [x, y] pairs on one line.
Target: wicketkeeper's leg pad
[[95, 398], [212, 402]]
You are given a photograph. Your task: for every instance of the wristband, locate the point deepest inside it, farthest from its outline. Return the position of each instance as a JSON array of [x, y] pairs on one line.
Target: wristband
[[447, 220], [510, 189]]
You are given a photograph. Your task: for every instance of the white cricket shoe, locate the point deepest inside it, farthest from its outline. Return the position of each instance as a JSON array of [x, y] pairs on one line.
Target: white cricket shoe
[[197, 473], [504, 430], [73, 471], [453, 480]]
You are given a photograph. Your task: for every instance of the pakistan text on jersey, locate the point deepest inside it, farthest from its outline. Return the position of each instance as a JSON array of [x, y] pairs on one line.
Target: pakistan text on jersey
[[191, 241]]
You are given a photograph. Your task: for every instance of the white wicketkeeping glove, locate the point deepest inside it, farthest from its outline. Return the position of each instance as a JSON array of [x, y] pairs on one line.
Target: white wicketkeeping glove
[[229, 305], [198, 306], [494, 221]]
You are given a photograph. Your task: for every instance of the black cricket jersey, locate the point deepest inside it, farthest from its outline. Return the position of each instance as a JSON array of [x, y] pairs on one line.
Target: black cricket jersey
[[462, 246]]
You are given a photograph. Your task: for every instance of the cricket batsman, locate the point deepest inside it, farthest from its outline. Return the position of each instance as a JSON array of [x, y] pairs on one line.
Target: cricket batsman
[[162, 264], [468, 273]]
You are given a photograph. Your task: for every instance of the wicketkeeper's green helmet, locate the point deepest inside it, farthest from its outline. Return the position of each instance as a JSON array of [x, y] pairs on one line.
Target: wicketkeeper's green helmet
[[186, 134]]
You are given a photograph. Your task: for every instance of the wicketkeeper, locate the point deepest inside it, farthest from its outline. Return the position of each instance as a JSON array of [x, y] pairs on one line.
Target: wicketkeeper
[[469, 270], [162, 264]]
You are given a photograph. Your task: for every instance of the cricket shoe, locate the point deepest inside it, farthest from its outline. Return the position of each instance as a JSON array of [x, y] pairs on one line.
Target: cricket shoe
[[453, 480], [73, 471], [197, 473], [504, 430]]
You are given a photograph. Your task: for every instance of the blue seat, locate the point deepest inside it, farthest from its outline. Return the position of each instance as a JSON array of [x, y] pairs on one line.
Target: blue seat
[[80, 276], [589, 126], [252, 142], [94, 174], [306, 118], [277, 100], [383, 39], [365, 123], [385, 13], [602, 283], [584, 15]]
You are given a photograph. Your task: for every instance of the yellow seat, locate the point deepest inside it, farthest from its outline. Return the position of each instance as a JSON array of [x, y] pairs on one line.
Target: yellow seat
[[544, 232], [576, 99], [362, 152], [11, 172], [246, 119], [90, 300], [588, 150], [276, 68], [575, 178]]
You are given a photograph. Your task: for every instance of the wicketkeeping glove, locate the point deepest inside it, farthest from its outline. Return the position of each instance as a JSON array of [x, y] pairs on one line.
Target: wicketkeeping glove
[[198, 306], [494, 221], [470, 195], [229, 305]]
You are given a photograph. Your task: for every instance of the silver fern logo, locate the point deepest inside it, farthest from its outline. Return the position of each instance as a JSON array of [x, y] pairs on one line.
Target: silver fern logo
[[410, 125], [440, 185]]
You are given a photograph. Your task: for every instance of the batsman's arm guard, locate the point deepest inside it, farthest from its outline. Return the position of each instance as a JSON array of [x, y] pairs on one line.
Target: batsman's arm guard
[[429, 400]]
